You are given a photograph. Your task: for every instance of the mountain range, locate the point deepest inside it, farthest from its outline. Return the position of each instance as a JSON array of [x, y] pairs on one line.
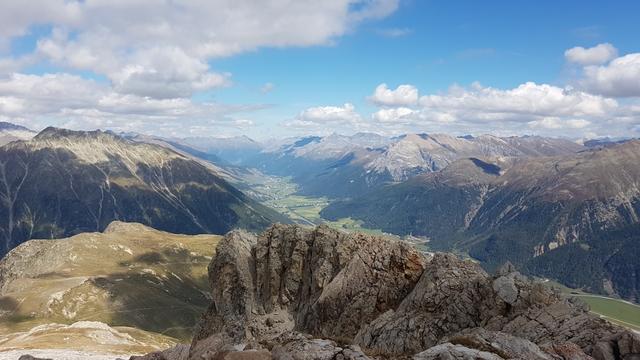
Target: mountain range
[[64, 182], [339, 166], [97, 270], [571, 217], [524, 199]]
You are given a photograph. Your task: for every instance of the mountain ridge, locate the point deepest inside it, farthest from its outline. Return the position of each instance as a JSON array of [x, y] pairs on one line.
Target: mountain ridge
[[10, 132], [339, 166], [64, 182], [523, 213]]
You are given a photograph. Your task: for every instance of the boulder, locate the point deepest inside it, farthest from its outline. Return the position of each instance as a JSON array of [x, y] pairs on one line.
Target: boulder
[[449, 351], [499, 343], [178, 352]]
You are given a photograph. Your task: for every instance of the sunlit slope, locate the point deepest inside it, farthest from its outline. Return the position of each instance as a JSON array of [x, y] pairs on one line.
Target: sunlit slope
[[130, 275]]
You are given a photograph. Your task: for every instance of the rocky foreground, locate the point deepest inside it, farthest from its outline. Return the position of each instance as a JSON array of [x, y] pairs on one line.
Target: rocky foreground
[[294, 293]]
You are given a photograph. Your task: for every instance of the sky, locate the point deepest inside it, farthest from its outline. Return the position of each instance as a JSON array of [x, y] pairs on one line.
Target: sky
[[276, 68]]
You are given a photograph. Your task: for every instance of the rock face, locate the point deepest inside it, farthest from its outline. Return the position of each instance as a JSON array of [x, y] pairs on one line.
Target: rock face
[[322, 281], [322, 294]]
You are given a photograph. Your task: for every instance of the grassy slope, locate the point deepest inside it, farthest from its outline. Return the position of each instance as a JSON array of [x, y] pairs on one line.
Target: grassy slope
[[614, 310], [132, 277]]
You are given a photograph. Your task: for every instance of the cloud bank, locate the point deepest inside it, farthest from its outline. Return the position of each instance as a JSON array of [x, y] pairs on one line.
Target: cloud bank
[[150, 54], [603, 101]]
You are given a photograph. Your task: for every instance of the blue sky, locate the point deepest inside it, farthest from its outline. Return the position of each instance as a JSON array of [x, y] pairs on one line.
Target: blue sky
[[278, 76], [500, 44]]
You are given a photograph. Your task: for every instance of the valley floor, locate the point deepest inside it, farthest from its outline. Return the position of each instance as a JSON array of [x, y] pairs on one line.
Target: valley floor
[[280, 193], [615, 310], [618, 311]]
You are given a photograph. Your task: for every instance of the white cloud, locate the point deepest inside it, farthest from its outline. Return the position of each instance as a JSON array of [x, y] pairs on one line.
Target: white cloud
[[403, 95], [528, 108], [104, 36], [166, 73], [329, 114], [328, 119], [540, 108], [619, 78], [555, 123], [154, 55], [596, 55], [72, 101], [243, 123], [159, 72], [394, 115], [528, 99], [16, 16]]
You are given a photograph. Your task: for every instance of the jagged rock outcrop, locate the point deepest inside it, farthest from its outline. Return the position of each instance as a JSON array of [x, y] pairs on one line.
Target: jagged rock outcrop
[[323, 281], [358, 296]]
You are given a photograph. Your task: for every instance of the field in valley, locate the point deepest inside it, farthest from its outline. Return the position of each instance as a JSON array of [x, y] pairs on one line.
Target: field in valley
[[279, 193], [617, 311]]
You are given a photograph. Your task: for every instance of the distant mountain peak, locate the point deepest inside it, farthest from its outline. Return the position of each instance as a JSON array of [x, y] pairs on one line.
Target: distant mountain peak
[[10, 126], [52, 132], [11, 132], [98, 146]]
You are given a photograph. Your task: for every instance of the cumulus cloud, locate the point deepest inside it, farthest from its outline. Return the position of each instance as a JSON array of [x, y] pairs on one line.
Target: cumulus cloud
[[529, 107], [329, 114], [328, 119], [528, 99], [395, 115], [199, 29], [403, 95], [71, 101], [154, 55], [596, 55], [166, 73], [618, 78]]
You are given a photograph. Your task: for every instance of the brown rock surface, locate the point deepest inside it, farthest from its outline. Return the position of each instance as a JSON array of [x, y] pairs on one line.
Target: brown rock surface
[[365, 297], [320, 281]]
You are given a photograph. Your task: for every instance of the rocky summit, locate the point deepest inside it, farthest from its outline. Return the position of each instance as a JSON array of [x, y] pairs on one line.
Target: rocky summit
[[298, 293]]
